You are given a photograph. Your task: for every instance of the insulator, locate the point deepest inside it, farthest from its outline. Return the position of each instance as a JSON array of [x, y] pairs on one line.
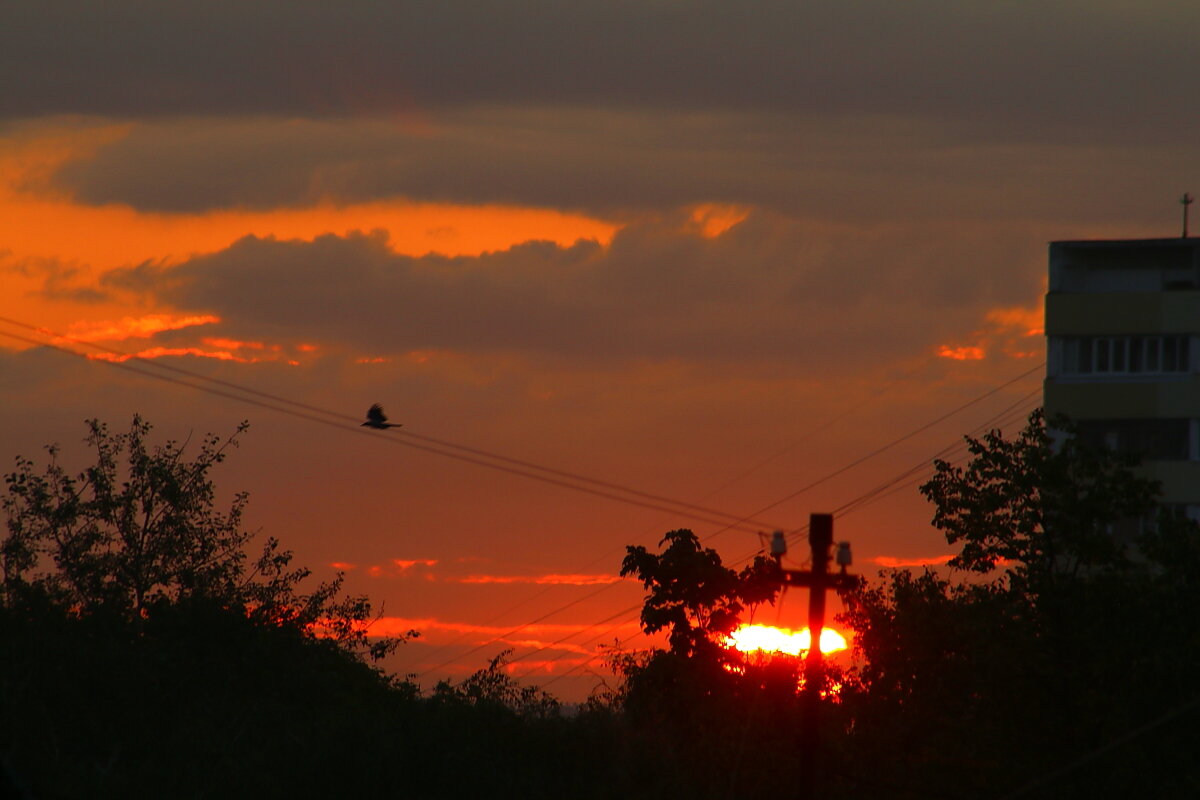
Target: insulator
[[844, 559], [778, 544]]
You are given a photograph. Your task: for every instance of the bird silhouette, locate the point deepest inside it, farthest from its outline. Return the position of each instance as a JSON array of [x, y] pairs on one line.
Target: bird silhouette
[[378, 420]]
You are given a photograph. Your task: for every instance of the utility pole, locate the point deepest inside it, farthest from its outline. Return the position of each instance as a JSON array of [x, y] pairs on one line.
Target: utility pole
[[1186, 201], [818, 580]]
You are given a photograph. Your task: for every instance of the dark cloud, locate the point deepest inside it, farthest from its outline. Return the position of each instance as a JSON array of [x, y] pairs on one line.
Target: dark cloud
[[608, 162], [1102, 65], [770, 289], [59, 280]]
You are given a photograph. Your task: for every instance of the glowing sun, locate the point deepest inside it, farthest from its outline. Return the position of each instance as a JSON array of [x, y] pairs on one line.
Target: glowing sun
[[751, 638]]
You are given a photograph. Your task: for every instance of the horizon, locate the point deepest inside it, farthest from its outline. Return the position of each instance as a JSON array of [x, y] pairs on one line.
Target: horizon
[[718, 262]]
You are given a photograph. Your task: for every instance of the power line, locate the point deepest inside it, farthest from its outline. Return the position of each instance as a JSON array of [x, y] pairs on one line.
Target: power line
[[846, 508], [328, 418], [429, 444], [475, 455], [850, 506], [879, 450], [858, 502]]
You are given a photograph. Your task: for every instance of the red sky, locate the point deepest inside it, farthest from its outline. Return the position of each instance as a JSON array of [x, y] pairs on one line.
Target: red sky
[[717, 263]]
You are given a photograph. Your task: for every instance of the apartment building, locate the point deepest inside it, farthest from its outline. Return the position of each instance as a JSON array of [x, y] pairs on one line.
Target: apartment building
[[1123, 330]]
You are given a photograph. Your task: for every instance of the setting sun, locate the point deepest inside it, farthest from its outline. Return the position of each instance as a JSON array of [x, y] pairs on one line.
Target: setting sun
[[764, 638]]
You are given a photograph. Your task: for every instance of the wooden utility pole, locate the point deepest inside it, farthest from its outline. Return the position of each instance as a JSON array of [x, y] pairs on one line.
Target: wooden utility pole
[[818, 580]]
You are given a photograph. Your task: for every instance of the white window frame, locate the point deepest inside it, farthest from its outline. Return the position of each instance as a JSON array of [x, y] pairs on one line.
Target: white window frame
[[1126, 355]]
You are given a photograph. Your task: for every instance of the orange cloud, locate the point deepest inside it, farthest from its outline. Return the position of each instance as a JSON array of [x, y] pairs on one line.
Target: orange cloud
[[1028, 320], [538, 644], [234, 344], [969, 353], [38, 220], [551, 579], [135, 327], [159, 352], [545, 667], [40, 223], [1008, 330], [713, 219], [891, 561], [405, 564], [431, 627], [219, 348], [342, 565], [399, 567]]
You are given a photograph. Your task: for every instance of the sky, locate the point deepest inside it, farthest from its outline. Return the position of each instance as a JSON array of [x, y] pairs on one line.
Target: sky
[[768, 258]]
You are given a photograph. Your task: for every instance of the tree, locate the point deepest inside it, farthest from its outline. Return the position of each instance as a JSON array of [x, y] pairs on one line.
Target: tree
[[145, 644], [707, 716], [1043, 505], [1059, 641], [693, 594], [139, 528]]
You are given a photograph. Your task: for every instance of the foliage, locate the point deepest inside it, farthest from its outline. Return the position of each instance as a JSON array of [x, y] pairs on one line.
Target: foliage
[[710, 714], [139, 530], [694, 595], [493, 686], [1014, 673], [1040, 504], [971, 684]]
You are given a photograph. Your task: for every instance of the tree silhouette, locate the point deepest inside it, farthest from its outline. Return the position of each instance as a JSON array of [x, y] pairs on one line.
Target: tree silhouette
[[1060, 639], [139, 528], [149, 653], [691, 593], [1043, 503]]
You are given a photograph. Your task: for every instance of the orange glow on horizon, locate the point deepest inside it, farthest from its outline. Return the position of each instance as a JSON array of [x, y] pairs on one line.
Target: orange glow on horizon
[[768, 639], [552, 579], [893, 562], [436, 630]]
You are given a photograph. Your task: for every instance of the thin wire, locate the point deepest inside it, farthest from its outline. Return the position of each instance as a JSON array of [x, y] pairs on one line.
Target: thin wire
[[923, 468], [549, 646], [903, 438], [850, 506], [520, 628], [485, 454], [814, 431], [121, 364], [478, 461], [846, 508]]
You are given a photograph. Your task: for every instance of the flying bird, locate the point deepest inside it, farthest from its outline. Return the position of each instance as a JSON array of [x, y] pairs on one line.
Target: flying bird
[[377, 419]]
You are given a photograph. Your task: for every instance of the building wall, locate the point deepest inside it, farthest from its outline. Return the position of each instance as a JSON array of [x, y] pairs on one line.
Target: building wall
[[1123, 328]]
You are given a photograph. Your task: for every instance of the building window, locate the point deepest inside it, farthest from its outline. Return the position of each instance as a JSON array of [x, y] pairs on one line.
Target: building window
[[1118, 355]]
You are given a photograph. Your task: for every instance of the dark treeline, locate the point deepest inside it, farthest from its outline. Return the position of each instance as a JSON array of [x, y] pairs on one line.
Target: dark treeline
[[146, 652]]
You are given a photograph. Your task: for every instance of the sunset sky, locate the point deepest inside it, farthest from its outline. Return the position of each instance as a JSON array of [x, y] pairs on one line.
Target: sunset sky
[[707, 251]]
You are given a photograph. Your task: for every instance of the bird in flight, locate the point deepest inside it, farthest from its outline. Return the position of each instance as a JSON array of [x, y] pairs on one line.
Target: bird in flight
[[377, 419]]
